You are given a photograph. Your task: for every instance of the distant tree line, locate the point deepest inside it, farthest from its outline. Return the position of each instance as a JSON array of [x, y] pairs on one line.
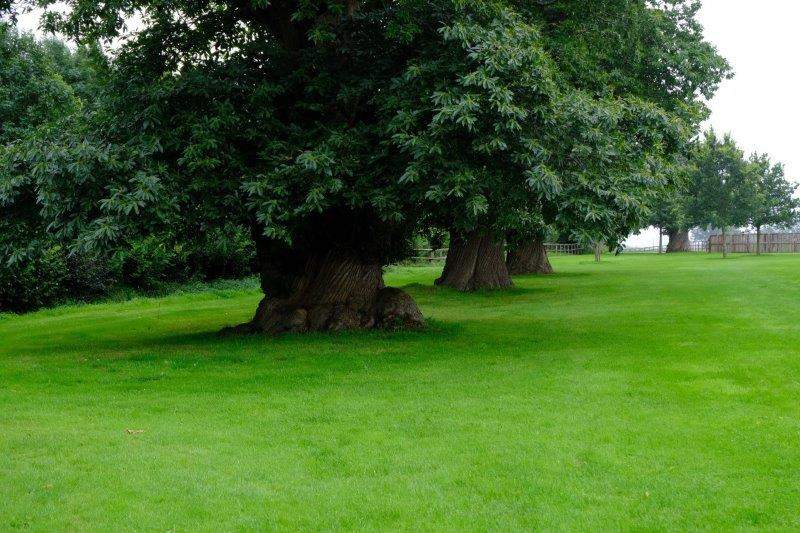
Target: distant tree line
[[719, 187]]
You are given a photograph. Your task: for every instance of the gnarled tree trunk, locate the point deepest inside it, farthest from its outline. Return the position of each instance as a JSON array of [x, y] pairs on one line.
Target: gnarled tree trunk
[[678, 241], [475, 261], [529, 258], [329, 284]]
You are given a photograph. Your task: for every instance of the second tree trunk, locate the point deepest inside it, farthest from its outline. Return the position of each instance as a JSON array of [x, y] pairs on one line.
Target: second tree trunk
[[475, 261], [678, 241], [529, 258]]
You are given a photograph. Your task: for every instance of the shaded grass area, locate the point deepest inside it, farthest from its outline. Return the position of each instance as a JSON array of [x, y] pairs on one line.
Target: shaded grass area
[[643, 392]]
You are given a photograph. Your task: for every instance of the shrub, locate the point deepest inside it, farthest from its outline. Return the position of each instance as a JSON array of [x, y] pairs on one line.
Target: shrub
[[48, 275], [151, 262], [222, 253], [45, 274], [37, 279]]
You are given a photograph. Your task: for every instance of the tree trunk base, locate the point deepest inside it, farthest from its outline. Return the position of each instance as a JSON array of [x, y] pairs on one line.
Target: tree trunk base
[[530, 258], [335, 294], [678, 241], [475, 261]]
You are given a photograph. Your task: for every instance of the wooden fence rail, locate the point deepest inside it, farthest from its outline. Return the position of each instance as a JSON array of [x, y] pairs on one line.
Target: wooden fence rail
[[641, 250], [771, 243], [745, 243], [566, 249], [693, 247], [430, 255]]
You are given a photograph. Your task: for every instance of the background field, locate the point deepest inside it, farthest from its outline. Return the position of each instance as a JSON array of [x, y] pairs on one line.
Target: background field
[[646, 391]]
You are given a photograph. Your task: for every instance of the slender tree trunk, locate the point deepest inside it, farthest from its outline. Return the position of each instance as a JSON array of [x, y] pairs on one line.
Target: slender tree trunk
[[660, 239], [529, 258], [678, 241], [598, 252], [724, 244], [475, 261], [758, 240]]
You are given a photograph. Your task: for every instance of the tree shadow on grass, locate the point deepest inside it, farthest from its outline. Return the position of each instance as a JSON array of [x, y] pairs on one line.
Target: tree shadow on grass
[[210, 344], [516, 291]]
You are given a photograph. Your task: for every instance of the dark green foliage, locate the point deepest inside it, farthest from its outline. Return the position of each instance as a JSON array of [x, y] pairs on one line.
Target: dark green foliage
[[35, 282], [723, 184], [54, 172], [49, 275], [151, 262], [32, 92], [498, 107], [220, 252], [346, 127]]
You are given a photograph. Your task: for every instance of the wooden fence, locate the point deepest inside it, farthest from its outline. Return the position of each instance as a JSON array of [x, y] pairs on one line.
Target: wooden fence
[[698, 247], [641, 250], [429, 255], [565, 249], [745, 243], [693, 247]]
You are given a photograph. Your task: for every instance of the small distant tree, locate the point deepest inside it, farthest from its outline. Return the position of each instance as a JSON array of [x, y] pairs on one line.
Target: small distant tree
[[773, 203], [723, 184]]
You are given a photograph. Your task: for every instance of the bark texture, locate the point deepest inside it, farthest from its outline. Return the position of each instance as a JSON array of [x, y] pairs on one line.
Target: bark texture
[[475, 261], [336, 294], [678, 241], [332, 282], [529, 258]]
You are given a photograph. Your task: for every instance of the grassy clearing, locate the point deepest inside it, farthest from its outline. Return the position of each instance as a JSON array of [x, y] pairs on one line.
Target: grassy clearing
[[644, 392]]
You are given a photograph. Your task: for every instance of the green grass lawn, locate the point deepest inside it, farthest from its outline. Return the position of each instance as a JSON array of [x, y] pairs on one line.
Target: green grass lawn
[[644, 392]]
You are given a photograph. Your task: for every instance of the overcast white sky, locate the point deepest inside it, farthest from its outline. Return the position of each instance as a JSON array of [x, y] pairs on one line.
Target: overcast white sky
[[761, 105]]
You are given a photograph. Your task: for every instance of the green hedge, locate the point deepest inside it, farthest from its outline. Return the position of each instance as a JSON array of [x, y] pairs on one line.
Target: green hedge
[[48, 275]]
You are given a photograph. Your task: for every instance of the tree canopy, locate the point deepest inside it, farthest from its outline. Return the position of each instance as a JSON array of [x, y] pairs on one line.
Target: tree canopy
[[723, 184], [337, 129], [33, 97]]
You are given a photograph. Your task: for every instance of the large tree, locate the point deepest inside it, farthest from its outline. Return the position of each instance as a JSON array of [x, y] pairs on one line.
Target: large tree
[[650, 50], [266, 113], [336, 128], [527, 253], [590, 146]]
